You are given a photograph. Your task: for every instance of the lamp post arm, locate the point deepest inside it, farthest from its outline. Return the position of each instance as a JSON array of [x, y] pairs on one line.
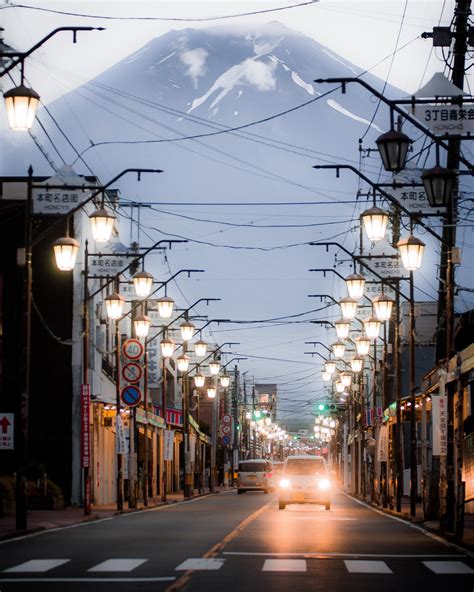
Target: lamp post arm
[[139, 256], [22, 55], [314, 353], [318, 343], [93, 195], [387, 196], [394, 106], [232, 360], [323, 322], [333, 300], [324, 271], [359, 259]]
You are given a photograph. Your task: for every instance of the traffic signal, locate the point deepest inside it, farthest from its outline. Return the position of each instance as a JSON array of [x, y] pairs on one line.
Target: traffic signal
[[326, 407]]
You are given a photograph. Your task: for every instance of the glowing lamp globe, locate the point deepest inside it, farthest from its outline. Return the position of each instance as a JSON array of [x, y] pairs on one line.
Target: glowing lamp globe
[[375, 223], [102, 224], [143, 283], [187, 330], [200, 348], [114, 304], [142, 325], [355, 285], [383, 305], [411, 251], [348, 308], [165, 307], [65, 253], [167, 347], [342, 328], [21, 104]]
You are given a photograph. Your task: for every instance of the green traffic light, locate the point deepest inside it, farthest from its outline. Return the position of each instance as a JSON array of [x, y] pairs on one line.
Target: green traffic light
[[321, 407]]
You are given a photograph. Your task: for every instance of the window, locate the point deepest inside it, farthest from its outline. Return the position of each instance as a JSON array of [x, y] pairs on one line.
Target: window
[[305, 466], [252, 467]]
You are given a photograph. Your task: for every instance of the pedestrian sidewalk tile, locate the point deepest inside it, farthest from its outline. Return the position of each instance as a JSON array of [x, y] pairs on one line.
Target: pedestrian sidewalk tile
[[36, 565], [448, 567], [111, 565], [359, 566]]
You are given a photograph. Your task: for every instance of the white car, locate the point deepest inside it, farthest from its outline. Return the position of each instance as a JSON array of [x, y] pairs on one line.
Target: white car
[[255, 475], [305, 480]]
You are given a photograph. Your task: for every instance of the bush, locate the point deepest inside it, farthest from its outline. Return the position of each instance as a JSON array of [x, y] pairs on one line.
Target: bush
[[44, 495]]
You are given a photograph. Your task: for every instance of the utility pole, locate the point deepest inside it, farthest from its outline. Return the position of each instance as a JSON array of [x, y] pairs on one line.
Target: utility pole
[[235, 434], [254, 431], [451, 489]]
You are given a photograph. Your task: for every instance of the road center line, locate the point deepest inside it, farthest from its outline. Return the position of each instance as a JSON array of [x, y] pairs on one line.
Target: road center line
[[217, 548]]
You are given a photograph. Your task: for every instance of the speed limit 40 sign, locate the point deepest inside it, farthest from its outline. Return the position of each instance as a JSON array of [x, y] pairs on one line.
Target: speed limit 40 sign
[[132, 349]]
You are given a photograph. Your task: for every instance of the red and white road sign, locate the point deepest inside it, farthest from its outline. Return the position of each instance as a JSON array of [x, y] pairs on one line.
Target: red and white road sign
[[132, 372], [226, 429], [226, 418], [6, 431], [132, 349]]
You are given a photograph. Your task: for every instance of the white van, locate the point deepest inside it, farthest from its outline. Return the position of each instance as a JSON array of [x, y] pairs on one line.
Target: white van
[[255, 475], [305, 480]]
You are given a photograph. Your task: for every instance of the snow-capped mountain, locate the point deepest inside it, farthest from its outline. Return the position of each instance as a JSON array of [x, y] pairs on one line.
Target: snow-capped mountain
[[197, 82]]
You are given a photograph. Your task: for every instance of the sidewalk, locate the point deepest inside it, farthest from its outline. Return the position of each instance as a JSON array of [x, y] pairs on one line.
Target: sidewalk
[[39, 520]]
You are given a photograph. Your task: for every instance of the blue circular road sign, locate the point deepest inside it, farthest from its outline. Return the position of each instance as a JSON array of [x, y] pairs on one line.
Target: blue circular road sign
[[131, 395]]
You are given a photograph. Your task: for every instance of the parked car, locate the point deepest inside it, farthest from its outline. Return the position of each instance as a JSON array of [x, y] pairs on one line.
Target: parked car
[[255, 475], [305, 480]]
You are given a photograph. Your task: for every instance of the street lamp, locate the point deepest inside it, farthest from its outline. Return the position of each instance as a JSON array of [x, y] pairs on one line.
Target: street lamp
[[165, 307], [114, 305], [200, 348], [102, 224], [355, 285], [225, 380], [393, 148], [362, 346], [211, 392], [167, 347], [21, 104], [338, 349], [214, 367], [143, 283], [326, 376], [348, 308], [342, 328], [183, 362], [345, 378], [375, 223], [383, 305], [339, 386], [142, 325], [330, 366], [199, 380], [439, 185], [372, 327], [356, 364], [411, 250], [187, 331], [65, 253]]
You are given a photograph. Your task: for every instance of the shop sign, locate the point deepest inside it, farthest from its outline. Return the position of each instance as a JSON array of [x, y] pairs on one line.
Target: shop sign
[[439, 415], [85, 426], [447, 119], [168, 445]]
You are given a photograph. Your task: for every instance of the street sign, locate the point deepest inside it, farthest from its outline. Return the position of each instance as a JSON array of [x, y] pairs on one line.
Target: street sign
[[131, 395], [85, 425], [6, 431], [447, 119], [132, 372], [226, 418], [226, 429], [226, 440], [384, 260], [132, 349], [60, 201]]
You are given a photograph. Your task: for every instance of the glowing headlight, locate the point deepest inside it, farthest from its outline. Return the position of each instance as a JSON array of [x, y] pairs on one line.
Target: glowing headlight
[[324, 484], [285, 483]]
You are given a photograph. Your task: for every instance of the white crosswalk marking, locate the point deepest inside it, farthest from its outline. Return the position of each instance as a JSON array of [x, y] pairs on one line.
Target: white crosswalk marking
[[36, 565], [448, 567], [201, 563], [355, 566], [284, 565], [117, 565]]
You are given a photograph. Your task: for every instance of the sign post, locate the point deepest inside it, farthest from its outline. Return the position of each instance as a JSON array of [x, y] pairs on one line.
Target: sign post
[[6, 431]]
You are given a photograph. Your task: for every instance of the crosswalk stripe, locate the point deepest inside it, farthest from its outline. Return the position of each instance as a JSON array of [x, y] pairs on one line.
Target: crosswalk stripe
[[284, 565], [118, 565], [36, 565], [201, 563], [448, 567], [354, 566]]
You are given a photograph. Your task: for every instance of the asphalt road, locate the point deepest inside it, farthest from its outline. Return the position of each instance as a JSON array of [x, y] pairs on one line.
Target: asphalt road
[[229, 542]]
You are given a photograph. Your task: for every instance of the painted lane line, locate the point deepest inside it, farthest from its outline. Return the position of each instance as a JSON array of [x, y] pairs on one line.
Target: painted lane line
[[117, 565], [217, 548], [339, 555], [448, 567], [73, 580], [36, 565], [201, 563], [427, 533], [284, 565], [379, 567]]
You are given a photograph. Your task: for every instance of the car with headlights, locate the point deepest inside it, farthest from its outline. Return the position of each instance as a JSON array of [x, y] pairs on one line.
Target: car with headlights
[[305, 480], [255, 475]]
